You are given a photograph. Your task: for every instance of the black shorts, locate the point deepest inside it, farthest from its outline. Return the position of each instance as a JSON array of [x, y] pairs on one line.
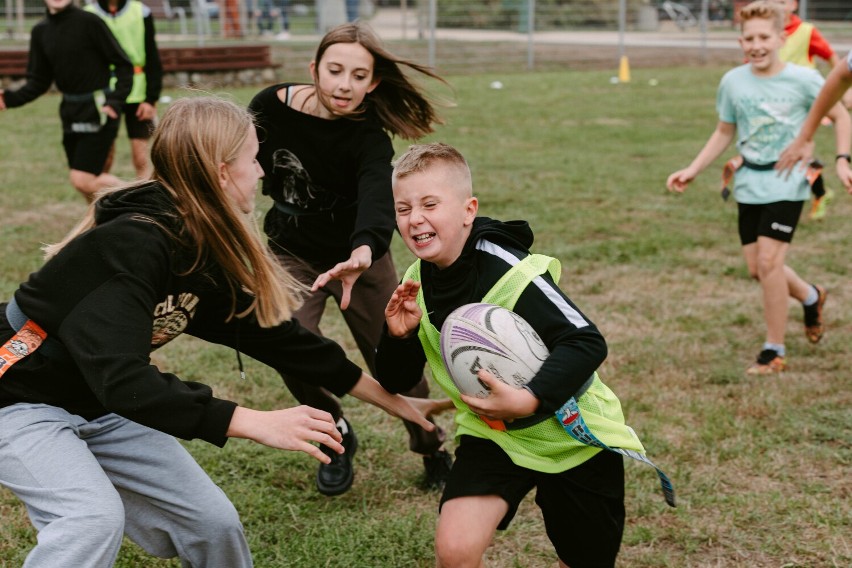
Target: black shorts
[[583, 507], [88, 151], [137, 129], [776, 220]]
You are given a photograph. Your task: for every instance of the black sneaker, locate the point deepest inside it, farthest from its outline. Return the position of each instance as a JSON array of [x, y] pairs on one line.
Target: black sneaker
[[437, 469], [336, 477]]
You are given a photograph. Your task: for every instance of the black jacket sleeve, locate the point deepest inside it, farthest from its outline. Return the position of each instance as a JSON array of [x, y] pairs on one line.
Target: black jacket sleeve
[[39, 73], [399, 362], [288, 348], [122, 67], [153, 64], [576, 346], [375, 221]]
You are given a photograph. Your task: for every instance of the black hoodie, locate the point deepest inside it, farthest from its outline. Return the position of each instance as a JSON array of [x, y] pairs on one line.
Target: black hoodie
[[119, 291], [576, 346]]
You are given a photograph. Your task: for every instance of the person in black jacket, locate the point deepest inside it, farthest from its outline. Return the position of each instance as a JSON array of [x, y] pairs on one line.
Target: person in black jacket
[[327, 150], [132, 23], [76, 50], [87, 423]]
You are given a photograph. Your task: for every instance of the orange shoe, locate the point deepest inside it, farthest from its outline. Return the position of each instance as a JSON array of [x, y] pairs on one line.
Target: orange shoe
[[814, 327], [768, 362]]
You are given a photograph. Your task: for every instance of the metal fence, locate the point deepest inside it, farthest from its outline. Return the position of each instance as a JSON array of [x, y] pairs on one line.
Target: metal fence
[[468, 34]]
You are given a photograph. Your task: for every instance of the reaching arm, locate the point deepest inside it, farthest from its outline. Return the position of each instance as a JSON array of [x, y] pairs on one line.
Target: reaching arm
[[288, 429], [837, 83], [716, 144], [347, 272]]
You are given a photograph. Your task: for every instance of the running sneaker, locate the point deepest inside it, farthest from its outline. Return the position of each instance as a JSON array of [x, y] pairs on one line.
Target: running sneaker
[[768, 362], [820, 204], [814, 327]]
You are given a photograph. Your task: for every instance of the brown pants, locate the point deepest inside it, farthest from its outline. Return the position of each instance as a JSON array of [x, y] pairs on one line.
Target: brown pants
[[365, 318]]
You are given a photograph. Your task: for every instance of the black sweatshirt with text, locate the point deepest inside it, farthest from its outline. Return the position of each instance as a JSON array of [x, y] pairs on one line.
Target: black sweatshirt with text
[[122, 289]]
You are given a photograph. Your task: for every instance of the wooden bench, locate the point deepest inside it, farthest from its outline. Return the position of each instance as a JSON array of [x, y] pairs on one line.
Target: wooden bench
[[13, 63], [216, 58]]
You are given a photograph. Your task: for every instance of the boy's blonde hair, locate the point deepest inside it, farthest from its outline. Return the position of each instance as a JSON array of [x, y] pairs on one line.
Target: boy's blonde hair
[[765, 10], [420, 157]]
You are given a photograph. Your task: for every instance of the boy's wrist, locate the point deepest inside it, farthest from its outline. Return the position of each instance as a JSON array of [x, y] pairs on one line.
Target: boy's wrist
[[846, 157]]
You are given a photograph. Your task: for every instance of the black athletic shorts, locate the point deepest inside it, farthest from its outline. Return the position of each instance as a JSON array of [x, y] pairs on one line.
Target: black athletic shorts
[[583, 508], [776, 220], [137, 129], [88, 151]]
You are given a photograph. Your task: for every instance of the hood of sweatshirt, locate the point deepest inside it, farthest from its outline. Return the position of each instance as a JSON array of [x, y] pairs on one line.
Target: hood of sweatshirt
[[463, 281], [149, 200]]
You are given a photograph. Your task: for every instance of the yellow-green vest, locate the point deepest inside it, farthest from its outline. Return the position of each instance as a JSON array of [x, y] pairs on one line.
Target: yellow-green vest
[[128, 27], [545, 446], [797, 46]]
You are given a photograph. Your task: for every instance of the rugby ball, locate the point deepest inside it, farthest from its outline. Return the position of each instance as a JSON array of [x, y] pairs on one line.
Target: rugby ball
[[477, 336]]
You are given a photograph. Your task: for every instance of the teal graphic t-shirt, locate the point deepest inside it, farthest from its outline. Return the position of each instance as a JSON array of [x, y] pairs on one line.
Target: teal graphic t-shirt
[[768, 113]]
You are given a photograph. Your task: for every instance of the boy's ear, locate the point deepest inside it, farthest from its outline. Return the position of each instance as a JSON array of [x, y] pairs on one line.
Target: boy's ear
[[471, 208]]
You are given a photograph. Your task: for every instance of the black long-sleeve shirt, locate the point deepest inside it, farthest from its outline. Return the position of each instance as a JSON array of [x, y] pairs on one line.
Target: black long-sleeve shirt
[[330, 179], [122, 289], [75, 49], [576, 346]]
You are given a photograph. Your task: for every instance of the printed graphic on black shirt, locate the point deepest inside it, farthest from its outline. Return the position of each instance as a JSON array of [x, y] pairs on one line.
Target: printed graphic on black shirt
[[172, 316], [297, 188]]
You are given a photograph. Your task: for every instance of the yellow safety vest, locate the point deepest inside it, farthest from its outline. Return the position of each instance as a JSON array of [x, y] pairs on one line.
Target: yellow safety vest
[[545, 446], [128, 27], [796, 48]]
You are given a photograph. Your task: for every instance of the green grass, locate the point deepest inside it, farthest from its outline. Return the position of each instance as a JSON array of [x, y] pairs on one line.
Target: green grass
[[761, 466]]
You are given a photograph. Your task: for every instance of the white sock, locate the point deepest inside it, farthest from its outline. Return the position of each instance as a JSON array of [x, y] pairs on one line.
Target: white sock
[[812, 298], [777, 347], [342, 426]]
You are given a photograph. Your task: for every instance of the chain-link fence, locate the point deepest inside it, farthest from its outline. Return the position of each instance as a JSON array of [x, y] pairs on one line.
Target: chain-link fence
[[467, 35]]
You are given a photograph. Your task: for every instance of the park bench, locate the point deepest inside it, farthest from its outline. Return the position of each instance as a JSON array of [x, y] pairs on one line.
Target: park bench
[[206, 59]]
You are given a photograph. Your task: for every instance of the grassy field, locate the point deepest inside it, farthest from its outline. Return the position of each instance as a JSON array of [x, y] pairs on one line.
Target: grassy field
[[761, 465]]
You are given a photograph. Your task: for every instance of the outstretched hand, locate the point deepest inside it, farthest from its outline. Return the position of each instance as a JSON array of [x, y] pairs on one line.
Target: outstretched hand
[[678, 181], [798, 151], [402, 312], [296, 428], [504, 403], [347, 272]]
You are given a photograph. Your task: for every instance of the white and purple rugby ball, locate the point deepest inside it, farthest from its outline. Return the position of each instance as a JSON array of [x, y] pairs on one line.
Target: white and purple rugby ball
[[477, 336]]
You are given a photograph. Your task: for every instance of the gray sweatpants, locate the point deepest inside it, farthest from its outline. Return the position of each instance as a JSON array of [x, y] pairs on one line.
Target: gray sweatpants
[[87, 483]]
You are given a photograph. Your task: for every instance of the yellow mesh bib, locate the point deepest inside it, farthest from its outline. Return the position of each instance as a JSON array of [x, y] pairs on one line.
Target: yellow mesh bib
[[545, 446], [797, 45]]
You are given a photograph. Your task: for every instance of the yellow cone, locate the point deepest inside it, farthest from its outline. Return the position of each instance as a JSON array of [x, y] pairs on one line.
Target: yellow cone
[[624, 70]]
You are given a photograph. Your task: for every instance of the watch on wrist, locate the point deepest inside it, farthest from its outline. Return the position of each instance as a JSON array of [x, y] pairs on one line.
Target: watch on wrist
[[847, 157]]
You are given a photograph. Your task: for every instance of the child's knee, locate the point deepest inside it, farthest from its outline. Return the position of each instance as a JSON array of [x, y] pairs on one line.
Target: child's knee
[[454, 552]]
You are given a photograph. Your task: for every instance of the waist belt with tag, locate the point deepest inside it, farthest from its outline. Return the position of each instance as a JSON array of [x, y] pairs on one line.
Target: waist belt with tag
[[737, 162], [28, 337]]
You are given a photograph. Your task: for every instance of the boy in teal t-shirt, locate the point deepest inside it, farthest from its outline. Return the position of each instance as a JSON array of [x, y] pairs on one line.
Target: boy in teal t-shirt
[[762, 105]]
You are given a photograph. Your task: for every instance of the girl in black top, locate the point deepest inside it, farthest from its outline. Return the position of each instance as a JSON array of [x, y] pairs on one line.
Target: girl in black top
[[87, 423], [327, 151]]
